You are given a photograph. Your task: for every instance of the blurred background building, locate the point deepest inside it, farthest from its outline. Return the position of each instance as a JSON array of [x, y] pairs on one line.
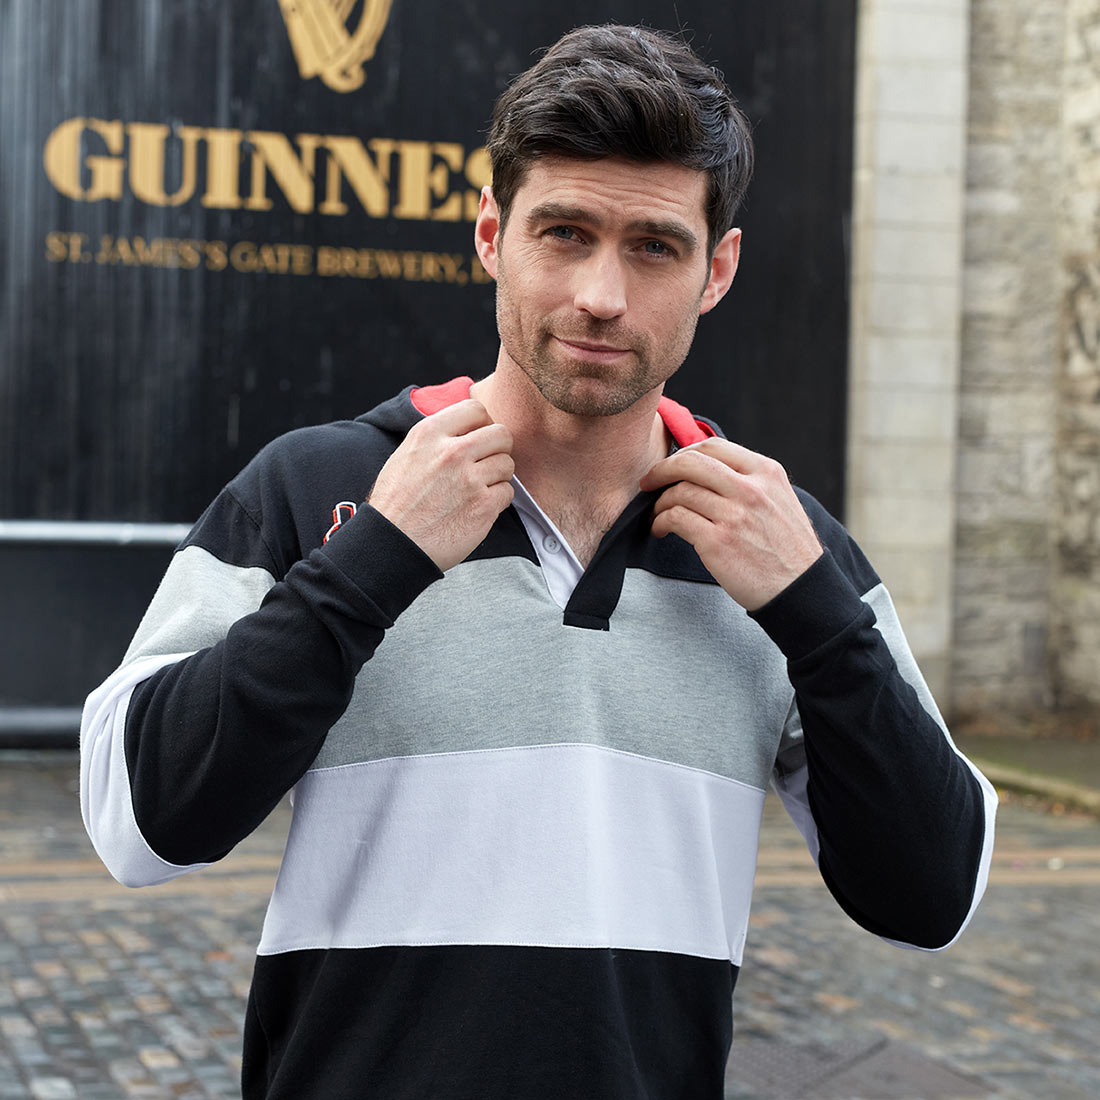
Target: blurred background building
[[220, 222], [974, 435]]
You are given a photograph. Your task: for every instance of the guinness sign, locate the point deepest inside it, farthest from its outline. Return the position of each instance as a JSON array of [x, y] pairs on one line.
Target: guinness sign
[[88, 159], [225, 221]]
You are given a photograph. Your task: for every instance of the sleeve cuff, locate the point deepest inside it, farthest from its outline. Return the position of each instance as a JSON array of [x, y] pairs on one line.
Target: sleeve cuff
[[813, 610], [381, 561]]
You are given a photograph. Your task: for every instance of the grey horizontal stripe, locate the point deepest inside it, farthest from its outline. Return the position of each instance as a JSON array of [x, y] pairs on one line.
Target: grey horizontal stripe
[[482, 661], [198, 600], [92, 533]]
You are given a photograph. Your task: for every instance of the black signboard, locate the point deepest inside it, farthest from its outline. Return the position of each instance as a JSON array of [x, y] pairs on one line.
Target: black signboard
[[224, 220]]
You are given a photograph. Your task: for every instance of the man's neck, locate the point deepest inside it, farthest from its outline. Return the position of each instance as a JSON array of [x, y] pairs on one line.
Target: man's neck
[[581, 470]]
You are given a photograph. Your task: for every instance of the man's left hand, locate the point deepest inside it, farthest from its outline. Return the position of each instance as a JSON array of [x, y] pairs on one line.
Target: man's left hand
[[738, 510]]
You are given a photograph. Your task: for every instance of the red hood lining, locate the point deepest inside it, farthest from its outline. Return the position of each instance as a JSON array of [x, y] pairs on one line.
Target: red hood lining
[[682, 426]]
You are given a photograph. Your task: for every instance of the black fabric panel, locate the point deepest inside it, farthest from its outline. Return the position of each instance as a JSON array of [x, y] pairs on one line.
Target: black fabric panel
[[507, 538], [238, 540], [487, 1023], [670, 557], [596, 596]]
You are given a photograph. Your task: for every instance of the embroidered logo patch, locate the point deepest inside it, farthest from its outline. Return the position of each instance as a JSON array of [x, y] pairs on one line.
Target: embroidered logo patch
[[340, 515]]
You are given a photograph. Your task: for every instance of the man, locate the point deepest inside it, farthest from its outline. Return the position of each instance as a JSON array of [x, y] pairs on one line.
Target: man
[[529, 694]]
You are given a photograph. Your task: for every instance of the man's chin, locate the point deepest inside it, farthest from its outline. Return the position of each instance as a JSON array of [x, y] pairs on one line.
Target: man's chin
[[591, 397]]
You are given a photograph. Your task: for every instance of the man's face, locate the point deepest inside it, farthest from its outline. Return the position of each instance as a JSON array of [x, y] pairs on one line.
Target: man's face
[[602, 273]]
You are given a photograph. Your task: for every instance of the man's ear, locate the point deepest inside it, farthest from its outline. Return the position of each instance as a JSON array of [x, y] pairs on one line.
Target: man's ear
[[723, 267], [487, 232]]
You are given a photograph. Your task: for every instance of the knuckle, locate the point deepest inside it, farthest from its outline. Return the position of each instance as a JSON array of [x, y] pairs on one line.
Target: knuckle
[[775, 469]]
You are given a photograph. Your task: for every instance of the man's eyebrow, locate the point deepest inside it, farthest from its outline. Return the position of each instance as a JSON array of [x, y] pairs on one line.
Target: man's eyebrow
[[563, 212], [675, 231]]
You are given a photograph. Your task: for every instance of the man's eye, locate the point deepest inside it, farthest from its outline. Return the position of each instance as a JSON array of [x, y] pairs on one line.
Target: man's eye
[[563, 232], [657, 248]]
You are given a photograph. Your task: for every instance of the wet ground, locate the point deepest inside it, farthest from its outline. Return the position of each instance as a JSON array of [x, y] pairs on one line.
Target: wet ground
[[107, 993]]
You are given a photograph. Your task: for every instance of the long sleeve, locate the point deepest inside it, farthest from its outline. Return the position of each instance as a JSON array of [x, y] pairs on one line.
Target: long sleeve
[[900, 822], [234, 678]]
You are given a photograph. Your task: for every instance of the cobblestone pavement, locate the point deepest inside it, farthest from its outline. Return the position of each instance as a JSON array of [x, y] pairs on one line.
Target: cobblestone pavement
[[107, 993]]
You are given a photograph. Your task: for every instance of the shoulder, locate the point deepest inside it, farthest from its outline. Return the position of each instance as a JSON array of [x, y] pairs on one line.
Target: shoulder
[[288, 497]]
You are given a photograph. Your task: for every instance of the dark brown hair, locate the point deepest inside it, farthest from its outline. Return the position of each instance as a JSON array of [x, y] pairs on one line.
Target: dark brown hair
[[617, 91]]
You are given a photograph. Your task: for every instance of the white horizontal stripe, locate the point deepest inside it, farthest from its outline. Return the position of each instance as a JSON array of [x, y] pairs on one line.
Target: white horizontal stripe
[[554, 846], [105, 802]]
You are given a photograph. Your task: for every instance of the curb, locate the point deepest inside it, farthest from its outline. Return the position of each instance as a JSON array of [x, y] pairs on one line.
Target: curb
[[1054, 790]]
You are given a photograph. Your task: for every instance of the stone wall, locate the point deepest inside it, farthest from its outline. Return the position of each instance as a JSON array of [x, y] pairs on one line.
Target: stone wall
[[1009, 359], [974, 411], [1027, 569], [1076, 603]]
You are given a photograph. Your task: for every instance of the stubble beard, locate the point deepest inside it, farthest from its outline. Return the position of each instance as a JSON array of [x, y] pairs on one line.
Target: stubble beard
[[588, 389]]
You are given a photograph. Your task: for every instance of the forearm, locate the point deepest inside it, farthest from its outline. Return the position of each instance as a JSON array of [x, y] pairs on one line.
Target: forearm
[[901, 818], [213, 741]]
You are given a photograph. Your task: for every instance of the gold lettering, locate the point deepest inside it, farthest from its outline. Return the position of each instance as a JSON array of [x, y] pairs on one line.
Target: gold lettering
[[66, 246], [116, 250], [301, 259], [190, 253], [414, 192], [479, 174], [328, 260], [349, 261], [149, 159], [422, 181], [242, 256], [217, 257], [389, 264], [61, 159], [439, 181], [150, 255], [223, 169], [273, 153], [274, 258], [57, 248], [410, 180], [369, 179], [412, 266]]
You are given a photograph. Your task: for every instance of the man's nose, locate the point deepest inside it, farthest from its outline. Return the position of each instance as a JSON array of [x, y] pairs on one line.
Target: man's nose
[[601, 287]]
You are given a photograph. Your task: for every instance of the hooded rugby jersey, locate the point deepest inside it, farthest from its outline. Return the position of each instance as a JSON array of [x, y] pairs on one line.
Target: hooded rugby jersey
[[523, 837]]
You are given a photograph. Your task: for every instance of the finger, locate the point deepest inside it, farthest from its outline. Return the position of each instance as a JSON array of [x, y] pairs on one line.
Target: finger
[[704, 462], [488, 440], [694, 467], [495, 468], [733, 455], [460, 418], [679, 519], [695, 498]]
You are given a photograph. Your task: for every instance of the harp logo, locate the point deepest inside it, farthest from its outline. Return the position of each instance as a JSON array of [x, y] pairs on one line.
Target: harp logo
[[325, 46]]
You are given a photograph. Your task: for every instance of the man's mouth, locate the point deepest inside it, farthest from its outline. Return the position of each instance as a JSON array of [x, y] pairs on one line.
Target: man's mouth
[[592, 350]]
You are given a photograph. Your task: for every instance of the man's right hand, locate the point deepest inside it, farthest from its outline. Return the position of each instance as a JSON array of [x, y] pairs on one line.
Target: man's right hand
[[447, 481]]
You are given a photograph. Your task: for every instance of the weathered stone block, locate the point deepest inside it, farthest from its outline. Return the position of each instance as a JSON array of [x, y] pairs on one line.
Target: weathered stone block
[[913, 307], [909, 415], [912, 361]]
